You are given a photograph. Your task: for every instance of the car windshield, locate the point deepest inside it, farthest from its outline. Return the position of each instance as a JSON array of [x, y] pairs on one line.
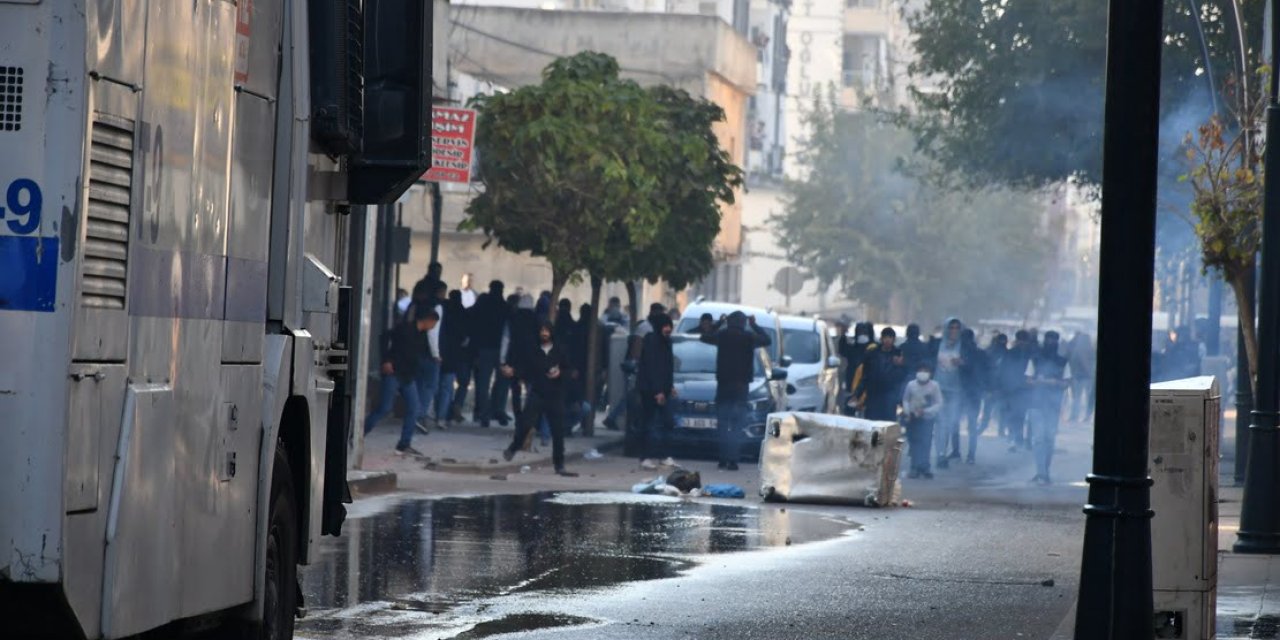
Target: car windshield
[[804, 346], [694, 358]]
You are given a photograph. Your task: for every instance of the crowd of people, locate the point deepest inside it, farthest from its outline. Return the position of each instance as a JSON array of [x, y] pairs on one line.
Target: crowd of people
[[509, 350], [935, 387]]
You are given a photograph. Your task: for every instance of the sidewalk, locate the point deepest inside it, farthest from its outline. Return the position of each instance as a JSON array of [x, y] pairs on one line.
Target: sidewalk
[[1248, 585], [467, 448]]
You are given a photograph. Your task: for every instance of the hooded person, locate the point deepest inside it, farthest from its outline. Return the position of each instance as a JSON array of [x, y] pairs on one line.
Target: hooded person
[[518, 342], [655, 383], [736, 339], [1015, 390], [546, 369], [914, 352], [488, 319], [880, 379], [995, 353], [853, 350], [1049, 374], [453, 353]]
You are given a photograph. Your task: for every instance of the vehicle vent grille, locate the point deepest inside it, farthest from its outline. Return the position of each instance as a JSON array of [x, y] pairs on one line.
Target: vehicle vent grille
[[106, 244], [11, 98]]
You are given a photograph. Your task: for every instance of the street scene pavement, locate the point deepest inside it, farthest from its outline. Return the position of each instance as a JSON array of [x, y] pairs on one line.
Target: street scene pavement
[[979, 553]]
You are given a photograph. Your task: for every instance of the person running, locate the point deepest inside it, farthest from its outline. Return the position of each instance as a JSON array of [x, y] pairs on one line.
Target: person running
[[922, 400], [735, 369], [401, 356], [546, 370], [657, 389]]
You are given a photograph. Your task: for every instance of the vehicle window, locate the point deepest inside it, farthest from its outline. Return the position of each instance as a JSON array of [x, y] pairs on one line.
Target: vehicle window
[[687, 325], [804, 347]]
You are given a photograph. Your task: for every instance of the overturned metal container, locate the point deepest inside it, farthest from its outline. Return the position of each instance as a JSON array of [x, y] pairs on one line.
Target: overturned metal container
[[831, 459]]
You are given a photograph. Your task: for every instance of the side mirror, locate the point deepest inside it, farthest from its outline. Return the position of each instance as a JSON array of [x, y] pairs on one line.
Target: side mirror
[[833, 362], [784, 361], [778, 374]]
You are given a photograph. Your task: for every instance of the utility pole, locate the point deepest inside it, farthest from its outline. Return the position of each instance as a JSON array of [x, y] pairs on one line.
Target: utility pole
[[1115, 600], [1259, 517], [437, 208]]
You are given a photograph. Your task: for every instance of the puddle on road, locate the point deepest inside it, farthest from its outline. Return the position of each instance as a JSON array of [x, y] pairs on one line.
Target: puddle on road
[[423, 568]]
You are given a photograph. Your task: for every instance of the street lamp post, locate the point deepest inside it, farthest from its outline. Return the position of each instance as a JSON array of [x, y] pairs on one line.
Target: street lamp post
[[1115, 600], [1259, 517]]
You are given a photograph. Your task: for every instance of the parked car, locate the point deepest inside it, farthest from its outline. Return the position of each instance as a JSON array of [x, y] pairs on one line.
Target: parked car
[[694, 409], [813, 367], [767, 320]]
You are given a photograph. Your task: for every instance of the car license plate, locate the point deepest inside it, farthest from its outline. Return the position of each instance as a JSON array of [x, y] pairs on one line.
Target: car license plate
[[698, 423]]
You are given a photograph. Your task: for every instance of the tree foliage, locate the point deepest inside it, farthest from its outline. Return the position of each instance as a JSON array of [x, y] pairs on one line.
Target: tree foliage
[[1011, 91], [859, 222], [567, 161], [696, 177], [1226, 176]]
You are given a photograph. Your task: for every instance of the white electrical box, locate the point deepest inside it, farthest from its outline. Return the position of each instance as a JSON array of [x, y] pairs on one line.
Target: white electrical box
[[1184, 496]]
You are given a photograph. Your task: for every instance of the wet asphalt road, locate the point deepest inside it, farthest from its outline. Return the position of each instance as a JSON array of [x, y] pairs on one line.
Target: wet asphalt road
[[966, 564]]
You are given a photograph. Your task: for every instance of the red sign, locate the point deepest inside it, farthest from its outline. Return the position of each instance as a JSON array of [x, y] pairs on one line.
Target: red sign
[[244, 12], [453, 138]]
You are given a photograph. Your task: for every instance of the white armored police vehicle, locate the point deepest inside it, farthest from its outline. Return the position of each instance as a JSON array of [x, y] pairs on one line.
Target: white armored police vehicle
[[180, 227]]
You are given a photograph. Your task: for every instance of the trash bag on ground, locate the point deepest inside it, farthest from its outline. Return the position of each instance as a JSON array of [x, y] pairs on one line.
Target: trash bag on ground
[[685, 480], [650, 487], [724, 490]]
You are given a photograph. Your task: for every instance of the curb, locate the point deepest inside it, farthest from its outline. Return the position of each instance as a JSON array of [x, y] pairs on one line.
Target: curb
[[514, 467], [366, 483]]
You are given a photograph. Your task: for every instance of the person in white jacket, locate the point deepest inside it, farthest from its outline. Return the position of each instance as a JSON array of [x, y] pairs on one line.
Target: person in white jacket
[[921, 401]]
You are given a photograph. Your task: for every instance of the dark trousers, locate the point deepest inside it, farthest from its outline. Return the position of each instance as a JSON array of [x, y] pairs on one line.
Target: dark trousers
[[465, 371], [535, 408], [919, 441], [731, 419], [882, 405], [486, 365], [1013, 415], [658, 422]]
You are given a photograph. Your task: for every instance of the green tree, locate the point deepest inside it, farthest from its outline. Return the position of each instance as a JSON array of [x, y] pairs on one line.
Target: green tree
[[565, 161], [1011, 91], [860, 222]]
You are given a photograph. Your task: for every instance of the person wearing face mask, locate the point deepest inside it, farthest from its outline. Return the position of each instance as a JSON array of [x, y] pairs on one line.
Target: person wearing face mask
[[880, 381], [1049, 375], [922, 400], [854, 351], [546, 370]]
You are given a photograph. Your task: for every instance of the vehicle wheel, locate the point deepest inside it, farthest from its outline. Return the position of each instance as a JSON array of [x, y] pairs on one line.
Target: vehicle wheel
[[280, 590]]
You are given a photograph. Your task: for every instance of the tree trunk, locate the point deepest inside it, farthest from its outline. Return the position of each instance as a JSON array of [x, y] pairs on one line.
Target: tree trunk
[[593, 357], [633, 298], [558, 280], [1244, 303]]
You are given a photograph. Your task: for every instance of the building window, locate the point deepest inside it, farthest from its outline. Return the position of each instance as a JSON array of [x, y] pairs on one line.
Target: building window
[[862, 65]]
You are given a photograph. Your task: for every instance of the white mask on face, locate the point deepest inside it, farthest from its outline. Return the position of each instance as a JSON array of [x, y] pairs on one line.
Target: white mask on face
[[922, 376], [864, 339]]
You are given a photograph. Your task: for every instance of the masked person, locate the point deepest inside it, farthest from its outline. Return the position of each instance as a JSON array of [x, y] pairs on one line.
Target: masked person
[[546, 369], [489, 318], [853, 351], [735, 369], [1049, 373], [922, 400], [657, 389], [1016, 391], [915, 352], [991, 403], [880, 382]]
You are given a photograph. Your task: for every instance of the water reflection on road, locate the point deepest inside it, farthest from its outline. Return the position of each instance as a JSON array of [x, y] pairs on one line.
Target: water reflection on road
[[431, 568]]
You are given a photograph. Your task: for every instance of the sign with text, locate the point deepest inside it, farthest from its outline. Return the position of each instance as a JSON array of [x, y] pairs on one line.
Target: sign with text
[[453, 138]]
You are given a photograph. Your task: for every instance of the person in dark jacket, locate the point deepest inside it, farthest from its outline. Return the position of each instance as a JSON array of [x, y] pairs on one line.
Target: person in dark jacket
[[735, 369], [975, 379], [488, 319], [995, 353], [546, 369], [463, 366], [914, 353], [401, 356], [521, 339], [853, 352], [454, 327], [1049, 374], [1016, 391], [880, 381], [657, 388]]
